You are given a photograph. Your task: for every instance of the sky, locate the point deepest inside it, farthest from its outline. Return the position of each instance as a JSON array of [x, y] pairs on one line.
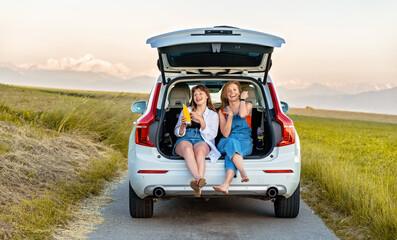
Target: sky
[[342, 44]]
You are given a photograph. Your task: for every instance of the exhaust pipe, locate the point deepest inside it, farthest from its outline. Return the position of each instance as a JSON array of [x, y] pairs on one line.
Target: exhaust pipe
[[272, 192], [158, 192]]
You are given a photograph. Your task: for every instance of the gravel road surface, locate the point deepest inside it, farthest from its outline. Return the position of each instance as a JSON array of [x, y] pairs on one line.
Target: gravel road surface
[[234, 218]]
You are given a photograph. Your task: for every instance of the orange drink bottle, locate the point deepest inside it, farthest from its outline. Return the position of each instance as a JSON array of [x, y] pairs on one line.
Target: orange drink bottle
[[187, 115]]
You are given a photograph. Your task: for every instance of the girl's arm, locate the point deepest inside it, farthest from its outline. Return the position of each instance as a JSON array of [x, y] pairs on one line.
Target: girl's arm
[[225, 124]]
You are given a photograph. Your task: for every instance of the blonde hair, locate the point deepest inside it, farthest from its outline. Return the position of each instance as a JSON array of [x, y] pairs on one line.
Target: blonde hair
[[203, 88], [224, 100]]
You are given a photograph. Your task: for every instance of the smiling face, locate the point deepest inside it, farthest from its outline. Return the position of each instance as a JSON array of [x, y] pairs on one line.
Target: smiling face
[[233, 92], [200, 97], [230, 92]]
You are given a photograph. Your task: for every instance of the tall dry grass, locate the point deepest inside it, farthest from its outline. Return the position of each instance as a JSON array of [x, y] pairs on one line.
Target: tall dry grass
[[105, 117], [57, 147], [355, 165], [44, 174]]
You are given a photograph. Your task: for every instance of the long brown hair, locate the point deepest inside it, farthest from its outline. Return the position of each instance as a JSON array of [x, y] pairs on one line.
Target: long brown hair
[[224, 100], [203, 88]]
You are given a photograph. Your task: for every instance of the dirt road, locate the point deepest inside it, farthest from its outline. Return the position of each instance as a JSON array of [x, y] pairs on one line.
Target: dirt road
[[234, 218]]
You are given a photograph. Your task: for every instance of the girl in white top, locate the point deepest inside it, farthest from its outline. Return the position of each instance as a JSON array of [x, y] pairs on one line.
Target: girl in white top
[[197, 141]]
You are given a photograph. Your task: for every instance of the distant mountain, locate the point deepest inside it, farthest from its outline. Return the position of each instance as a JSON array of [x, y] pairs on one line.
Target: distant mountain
[[70, 79], [382, 101], [315, 89], [94, 74]]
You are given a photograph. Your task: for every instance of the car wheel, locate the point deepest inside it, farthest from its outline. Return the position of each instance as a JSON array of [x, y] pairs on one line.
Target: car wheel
[[140, 208], [288, 207]]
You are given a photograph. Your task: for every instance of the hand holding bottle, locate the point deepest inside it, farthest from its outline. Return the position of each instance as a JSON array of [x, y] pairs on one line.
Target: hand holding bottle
[[186, 114]]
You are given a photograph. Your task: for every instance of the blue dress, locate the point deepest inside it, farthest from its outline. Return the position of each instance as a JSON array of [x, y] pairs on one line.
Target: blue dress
[[239, 141]]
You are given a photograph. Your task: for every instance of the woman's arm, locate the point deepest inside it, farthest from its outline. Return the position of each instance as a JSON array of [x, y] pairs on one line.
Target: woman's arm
[[210, 125], [225, 124], [180, 126], [245, 108], [199, 118]]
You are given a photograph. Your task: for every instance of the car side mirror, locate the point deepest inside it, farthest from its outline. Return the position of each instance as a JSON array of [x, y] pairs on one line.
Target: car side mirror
[[139, 107], [284, 106]]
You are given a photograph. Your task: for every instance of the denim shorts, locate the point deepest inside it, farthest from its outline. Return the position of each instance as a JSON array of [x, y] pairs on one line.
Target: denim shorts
[[192, 135]]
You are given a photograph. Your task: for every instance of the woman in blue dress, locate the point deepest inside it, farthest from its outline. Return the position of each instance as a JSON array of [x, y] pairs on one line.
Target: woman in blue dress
[[235, 125]]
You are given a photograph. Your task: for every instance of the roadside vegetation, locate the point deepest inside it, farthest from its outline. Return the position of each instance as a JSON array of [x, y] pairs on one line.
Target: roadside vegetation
[[349, 170], [57, 147], [106, 117]]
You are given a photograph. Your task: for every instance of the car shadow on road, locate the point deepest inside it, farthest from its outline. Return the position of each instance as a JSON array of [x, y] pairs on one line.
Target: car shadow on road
[[231, 207]]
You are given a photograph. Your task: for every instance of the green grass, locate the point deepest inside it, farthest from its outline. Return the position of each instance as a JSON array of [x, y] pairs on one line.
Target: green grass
[[101, 116], [4, 148], [36, 218], [104, 116], [354, 163]]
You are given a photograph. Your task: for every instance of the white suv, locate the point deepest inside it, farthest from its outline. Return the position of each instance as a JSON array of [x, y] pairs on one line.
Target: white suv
[[213, 56]]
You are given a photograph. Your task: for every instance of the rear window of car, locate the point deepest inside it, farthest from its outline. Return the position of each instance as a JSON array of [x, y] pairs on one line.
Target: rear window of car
[[215, 89], [203, 55]]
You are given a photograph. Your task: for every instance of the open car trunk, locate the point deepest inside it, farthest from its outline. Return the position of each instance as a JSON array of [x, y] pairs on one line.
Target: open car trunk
[[214, 56], [178, 94]]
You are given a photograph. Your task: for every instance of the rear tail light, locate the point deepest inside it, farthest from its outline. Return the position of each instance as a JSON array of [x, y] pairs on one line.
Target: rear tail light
[[142, 127], [288, 130], [278, 171], [152, 171]]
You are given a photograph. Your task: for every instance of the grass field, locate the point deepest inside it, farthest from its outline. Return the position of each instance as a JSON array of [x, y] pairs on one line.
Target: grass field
[[58, 147], [373, 117], [353, 165], [104, 116]]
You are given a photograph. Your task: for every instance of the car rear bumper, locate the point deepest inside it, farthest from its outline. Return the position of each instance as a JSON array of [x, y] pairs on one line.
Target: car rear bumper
[[176, 181], [256, 191]]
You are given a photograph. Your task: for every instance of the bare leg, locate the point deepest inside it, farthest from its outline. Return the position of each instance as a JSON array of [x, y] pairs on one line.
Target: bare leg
[[185, 150], [238, 162], [200, 151], [224, 187]]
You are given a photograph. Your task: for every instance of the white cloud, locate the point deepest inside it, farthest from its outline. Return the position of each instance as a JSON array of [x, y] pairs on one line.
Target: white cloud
[[293, 83], [87, 63], [390, 85]]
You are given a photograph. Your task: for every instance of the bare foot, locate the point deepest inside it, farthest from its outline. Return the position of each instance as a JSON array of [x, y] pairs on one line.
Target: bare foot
[[222, 188], [244, 177]]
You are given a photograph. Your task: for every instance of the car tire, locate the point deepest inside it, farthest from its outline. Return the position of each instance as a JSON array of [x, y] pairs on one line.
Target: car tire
[[288, 207], [140, 208]]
